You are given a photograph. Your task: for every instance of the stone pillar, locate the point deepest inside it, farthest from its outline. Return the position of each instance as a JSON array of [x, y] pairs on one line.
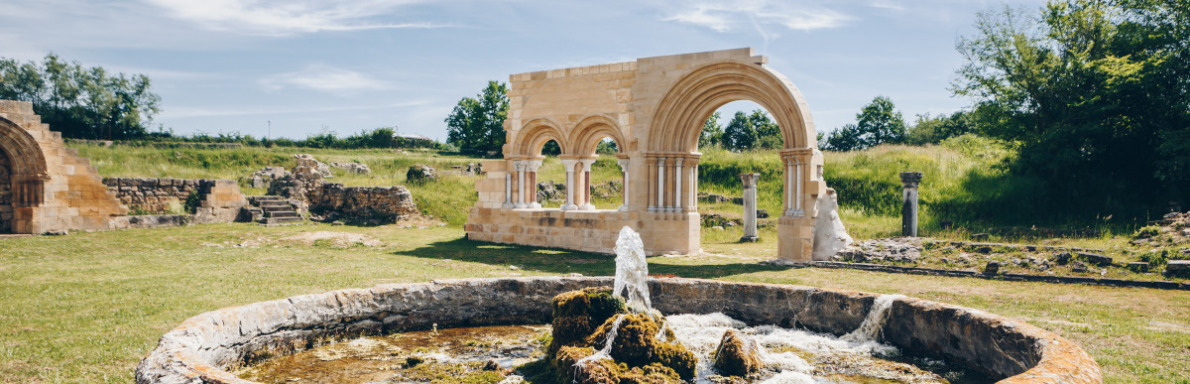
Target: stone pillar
[[532, 166], [624, 183], [521, 201], [749, 180], [692, 191], [586, 180], [508, 190], [660, 184], [909, 181], [677, 207], [797, 188], [569, 165]]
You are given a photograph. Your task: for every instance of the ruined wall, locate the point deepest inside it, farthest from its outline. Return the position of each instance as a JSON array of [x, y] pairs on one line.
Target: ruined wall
[[5, 194], [218, 201], [589, 231], [59, 190], [368, 205], [152, 195]]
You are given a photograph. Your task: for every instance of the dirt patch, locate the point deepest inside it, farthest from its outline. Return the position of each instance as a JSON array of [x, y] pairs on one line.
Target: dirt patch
[[334, 239]]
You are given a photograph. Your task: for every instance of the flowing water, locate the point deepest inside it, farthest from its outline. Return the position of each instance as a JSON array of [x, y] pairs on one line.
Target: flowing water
[[485, 354]]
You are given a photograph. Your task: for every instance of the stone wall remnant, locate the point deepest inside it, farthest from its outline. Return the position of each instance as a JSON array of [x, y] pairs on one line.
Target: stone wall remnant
[[749, 181], [353, 167], [211, 201], [909, 181], [420, 174], [361, 205], [51, 188]]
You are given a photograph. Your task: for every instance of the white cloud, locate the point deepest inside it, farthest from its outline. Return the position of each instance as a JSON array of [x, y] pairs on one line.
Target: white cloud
[[192, 112], [726, 16], [323, 78], [282, 17]]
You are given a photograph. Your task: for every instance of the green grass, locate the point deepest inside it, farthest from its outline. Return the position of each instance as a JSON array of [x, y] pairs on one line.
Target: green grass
[[85, 308]]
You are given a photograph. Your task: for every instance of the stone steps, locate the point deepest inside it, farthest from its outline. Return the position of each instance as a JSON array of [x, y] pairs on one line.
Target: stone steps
[[275, 210]]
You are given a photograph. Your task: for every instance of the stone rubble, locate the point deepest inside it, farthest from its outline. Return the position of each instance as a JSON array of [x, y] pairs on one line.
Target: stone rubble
[[896, 249]]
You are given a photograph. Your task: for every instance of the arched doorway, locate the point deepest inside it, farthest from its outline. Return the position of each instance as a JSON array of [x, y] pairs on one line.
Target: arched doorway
[[673, 140], [6, 211]]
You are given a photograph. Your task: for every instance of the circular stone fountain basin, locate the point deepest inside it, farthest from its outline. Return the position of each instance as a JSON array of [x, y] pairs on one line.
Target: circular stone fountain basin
[[204, 348]]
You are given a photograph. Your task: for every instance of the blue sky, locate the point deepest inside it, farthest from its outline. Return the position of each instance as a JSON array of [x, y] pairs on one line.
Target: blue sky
[[234, 65]]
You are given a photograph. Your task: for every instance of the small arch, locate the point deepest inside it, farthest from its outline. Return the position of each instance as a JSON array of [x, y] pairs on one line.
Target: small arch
[[677, 124], [591, 130], [25, 156], [534, 134]]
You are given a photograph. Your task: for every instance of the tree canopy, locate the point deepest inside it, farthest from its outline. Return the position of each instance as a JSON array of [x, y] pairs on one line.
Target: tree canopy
[[750, 131], [476, 125], [81, 102], [1092, 94], [877, 123]]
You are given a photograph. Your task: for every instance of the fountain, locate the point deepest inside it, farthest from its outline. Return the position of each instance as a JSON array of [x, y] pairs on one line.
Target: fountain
[[610, 331]]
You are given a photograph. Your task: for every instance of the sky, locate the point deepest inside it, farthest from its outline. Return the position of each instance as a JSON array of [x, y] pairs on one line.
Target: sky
[[293, 68]]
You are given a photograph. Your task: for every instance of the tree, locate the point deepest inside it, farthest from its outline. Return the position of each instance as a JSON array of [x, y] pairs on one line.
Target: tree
[[1089, 93], [81, 102], [476, 125], [933, 129], [768, 134], [740, 134], [712, 132], [877, 123]]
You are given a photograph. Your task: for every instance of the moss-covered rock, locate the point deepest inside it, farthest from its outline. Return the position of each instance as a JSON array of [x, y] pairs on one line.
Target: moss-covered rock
[[578, 313], [676, 357], [737, 355], [566, 364], [650, 374]]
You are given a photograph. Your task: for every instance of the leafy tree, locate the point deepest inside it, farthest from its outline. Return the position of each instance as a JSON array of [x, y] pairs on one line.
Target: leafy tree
[[877, 123], [1089, 92], [740, 134], [712, 132], [81, 102], [933, 129], [476, 125], [768, 134]]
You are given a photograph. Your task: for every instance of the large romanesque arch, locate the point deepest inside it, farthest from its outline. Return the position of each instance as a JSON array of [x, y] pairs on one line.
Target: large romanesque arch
[[24, 175], [653, 108]]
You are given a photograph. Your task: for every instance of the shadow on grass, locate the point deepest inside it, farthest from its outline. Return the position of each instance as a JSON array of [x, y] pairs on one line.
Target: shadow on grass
[[564, 261]]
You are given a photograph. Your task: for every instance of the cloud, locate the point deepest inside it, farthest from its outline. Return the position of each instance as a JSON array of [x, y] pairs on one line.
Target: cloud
[[323, 78], [192, 112], [282, 17], [726, 16]]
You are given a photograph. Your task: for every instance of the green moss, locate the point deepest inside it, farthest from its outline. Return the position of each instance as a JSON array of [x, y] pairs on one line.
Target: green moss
[[676, 357], [650, 374], [577, 313], [736, 355]]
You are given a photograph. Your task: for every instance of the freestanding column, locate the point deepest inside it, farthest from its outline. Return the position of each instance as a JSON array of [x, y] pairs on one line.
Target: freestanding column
[[569, 165], [624, 183], [909, 181], [749, 180]]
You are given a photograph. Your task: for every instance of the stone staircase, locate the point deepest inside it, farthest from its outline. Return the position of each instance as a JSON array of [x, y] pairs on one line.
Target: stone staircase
[[273, 210]]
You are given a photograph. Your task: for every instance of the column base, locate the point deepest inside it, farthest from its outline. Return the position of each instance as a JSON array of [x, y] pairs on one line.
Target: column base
[[749, 239], [535, 205], [569, 207], [586, 207], [623, 208], [508, 206]]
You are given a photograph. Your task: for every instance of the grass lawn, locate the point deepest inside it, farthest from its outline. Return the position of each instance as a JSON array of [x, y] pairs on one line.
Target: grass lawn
[[86, 307]]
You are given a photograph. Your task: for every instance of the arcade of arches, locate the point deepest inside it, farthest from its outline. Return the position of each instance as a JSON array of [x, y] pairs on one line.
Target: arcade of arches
[[653, 108]]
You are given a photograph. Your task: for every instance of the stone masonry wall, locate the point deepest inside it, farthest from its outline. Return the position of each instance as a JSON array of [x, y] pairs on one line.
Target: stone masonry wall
[[367, 205], [5, 194], [151, 195], [589, 231], [219, 201]]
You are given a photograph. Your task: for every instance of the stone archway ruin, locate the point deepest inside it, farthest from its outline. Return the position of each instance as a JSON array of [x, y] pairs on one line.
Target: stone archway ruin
[[654, 109]]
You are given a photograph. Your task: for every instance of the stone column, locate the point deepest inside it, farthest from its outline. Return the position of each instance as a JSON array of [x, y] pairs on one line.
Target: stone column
[[586, 180], [797, 188], [624, 183], [569, 165], [789, 190], [660, 184], [677, 207], [909, 181], [692, 203], [532, 166], [521, 190], [749, 180], [508, 190]]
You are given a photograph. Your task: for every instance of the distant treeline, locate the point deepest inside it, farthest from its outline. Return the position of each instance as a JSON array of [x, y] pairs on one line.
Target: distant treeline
[[376, 138]]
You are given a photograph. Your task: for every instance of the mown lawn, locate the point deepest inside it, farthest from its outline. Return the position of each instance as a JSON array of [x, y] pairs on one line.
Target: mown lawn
[[85, 308]]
